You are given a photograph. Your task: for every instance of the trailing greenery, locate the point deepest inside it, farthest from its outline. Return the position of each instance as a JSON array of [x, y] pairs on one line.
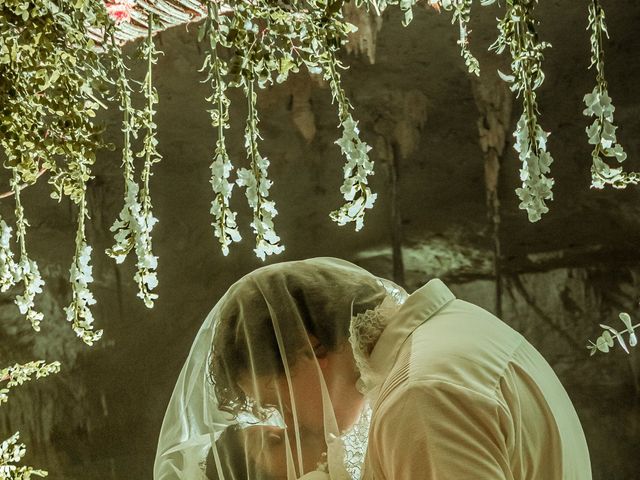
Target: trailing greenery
[[53, 76], [50, 76], [355, 187], [225, 225], [81, 275], [146, 276], [517, 33], [26, 271], [11, 450], [602, 132], [462, 15], [606, 340]]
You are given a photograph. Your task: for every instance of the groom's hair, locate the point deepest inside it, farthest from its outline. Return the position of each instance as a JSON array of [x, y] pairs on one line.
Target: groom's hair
[[245, 340]]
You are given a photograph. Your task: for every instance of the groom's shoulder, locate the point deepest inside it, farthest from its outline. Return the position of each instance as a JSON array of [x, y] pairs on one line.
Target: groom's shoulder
[[460, 340], [461, 345]]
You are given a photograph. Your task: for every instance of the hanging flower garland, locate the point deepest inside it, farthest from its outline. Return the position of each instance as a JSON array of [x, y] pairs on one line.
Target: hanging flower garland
[[81, 275], [267, 39], [225, 226], [359, 167], [27, 269], [132, 229], [48, 69], [47, 123], [602, 132], [320, 57], [518, 34], [127, 226], [146, 276]]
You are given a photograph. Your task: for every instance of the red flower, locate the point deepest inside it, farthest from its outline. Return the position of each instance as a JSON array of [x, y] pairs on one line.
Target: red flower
[[120, 10]]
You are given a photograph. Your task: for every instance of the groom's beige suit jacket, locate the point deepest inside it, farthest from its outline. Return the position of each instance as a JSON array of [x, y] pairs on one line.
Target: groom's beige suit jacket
[[466, 397]]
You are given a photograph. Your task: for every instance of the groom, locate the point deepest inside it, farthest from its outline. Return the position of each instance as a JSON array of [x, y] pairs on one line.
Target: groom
[[456, 393]]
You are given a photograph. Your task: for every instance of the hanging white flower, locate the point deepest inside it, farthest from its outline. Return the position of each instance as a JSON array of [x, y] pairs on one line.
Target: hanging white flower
[[147, 262], [602, 135], [355, 188], [267, 241], [11, 451], [257, 184], [33, 283], [78, 311], [225, 226], [536, 162], [602, 132], [124, 231], [9, 271], [133, 232]]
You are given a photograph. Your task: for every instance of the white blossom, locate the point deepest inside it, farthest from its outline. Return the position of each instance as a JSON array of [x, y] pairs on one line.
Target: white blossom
[[267, 241], [124, 231], [9, 271], [602, 135], [133, 232], [602, 132], [33, 283], [225, 226], [78, 311], [11, 453], [355, 188], [147, 261], [536, 163]]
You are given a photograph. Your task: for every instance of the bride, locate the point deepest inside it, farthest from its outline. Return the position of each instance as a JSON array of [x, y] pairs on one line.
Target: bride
[[252, 395], [285, 364]]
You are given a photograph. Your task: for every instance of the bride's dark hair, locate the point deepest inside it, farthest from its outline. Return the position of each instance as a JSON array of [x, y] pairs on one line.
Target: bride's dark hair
[[307, 298]]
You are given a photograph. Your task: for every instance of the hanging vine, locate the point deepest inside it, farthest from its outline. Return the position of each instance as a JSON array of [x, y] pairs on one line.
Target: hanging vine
[[146, 276], [225, 226], [11, 450], [54, 63], [602, 132], [462, 14], [49, 73], [606, 340], [27, 271], [359, 167], [81, 275], [517, 33], [256, 181], [126, 226]]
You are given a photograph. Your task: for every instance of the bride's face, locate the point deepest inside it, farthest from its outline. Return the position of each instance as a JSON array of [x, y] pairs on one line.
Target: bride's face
[[266, 446], [300, 396]]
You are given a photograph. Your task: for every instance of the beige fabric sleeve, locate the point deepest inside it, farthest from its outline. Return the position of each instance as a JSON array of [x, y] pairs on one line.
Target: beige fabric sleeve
[[435, 430]]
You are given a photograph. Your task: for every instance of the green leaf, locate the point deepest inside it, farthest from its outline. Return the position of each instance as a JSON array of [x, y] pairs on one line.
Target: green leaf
[[505, 77]]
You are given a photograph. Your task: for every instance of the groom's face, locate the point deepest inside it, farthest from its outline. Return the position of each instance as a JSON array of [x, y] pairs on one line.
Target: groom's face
[[299, 395]]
